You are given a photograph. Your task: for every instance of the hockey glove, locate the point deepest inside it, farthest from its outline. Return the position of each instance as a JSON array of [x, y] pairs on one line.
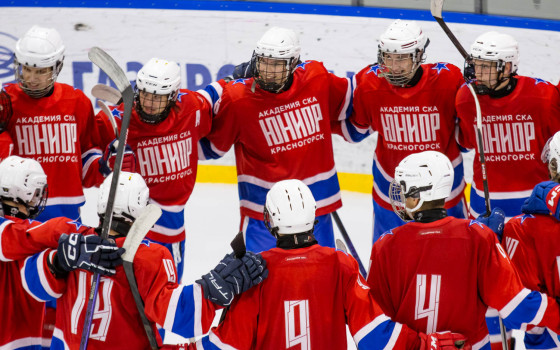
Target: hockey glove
[[495, 221], [215, 288], [444, 341], [244, 70], [552, 199], [91, 253], [107, 162], [252, 272], [536, 203]]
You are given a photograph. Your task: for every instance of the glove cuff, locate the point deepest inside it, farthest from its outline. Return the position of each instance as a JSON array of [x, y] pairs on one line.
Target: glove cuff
[[55, 268]]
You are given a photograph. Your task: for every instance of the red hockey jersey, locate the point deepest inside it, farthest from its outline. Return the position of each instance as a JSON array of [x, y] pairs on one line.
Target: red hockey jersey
[[515, 129], [58, 131], [408, 120], [306, 301], [167, 155], [116, 322], [282, 136], [443, 276]]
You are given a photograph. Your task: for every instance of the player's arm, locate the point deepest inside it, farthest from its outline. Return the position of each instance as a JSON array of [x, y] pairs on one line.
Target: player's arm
[[225, 129], [465, 109], [357, 125], [44, 274]]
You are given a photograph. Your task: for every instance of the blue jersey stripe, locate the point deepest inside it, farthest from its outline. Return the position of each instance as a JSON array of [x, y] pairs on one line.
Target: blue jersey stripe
[[184, 320]]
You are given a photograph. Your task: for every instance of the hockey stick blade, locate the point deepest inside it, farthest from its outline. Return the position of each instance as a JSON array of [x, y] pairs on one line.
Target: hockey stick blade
[[107, 93], [346, 238], [341, 246], [109, 66], [109, 115], [117, 75], [436, 7], [141, 226]]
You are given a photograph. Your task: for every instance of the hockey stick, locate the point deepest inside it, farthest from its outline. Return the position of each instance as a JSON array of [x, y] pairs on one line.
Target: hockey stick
[[348, 242], [112, 69], [436, 7], [135, 235], [109, 115], [107, 93]]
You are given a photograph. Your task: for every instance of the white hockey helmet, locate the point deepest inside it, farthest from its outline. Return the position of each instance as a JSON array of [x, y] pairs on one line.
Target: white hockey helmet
[[158, 77], [494, 46], [402, 38], [131, 197], [289, 208], [40, 47], [23, 181], [426, 175], [278, 44], [552, 151]]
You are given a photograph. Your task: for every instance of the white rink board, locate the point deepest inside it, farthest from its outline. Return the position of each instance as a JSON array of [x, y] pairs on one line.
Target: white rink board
[[209, 40]]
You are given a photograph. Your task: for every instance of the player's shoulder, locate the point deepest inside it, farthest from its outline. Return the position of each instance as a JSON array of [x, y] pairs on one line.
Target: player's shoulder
[[370, 73], [442, 68], [310, 67], [537, 87], [149, 253]]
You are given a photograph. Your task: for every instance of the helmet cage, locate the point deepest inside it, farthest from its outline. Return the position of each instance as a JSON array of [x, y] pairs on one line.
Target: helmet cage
[[497, 68], [274, 81], [23, 83], [398, 201], [158, 117], [400, 79]]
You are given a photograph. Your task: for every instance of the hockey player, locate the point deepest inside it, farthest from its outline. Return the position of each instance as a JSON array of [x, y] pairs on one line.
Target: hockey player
[[410, 105], [444, 262], [6, 144], [23, 195], [519, 115], [326, 292], [531, 241], [279, 124], [52, 123], [165, 127], [184, 310]]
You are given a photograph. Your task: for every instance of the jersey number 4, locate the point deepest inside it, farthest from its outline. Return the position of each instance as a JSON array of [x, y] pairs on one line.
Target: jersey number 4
[[429, 311], [296, 315], [103, 310]]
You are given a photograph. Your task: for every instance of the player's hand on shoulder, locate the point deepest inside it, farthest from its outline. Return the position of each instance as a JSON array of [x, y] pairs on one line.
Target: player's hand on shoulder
[[536, 202], [495, 221], [233, 276], [107, 162], [444, 341], [91, 253], [244, 70]]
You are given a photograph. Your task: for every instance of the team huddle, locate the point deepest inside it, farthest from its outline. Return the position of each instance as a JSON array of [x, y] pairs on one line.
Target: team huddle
[[442, 274]]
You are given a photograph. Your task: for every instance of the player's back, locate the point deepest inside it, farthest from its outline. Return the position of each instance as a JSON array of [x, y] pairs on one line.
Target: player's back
[[303, 299], [116, 322], [431, 276]]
